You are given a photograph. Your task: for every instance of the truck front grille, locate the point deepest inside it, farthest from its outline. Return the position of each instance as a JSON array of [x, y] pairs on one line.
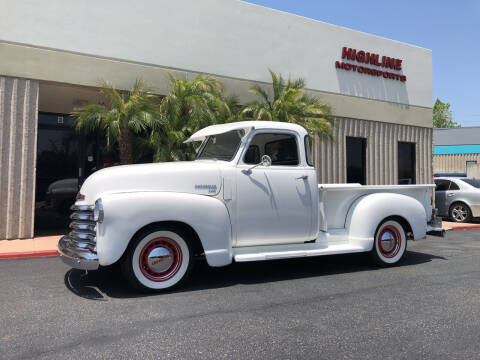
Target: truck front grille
[[83, 227]]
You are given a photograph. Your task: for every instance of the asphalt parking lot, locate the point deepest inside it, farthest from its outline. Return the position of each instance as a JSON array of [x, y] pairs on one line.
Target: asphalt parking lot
[[337, 307]]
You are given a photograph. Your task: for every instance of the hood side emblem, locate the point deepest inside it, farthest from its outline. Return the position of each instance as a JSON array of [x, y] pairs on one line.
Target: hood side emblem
[[212, 189]]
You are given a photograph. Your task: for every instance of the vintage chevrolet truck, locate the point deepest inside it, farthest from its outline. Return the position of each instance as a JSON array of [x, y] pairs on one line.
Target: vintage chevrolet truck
[[250, 195]]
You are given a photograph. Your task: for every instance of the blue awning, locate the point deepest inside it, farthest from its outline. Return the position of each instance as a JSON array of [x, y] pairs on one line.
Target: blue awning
[[456, 149]]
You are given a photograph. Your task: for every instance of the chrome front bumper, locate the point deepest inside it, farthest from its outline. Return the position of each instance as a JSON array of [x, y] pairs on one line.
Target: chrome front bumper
[[78, 249]]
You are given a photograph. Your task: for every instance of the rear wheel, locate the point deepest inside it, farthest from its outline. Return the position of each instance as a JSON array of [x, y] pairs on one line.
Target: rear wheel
[[459, 212], [390, 243], [158, 259]]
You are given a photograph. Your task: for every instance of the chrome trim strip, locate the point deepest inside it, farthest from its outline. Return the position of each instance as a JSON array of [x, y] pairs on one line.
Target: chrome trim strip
[[83, 235], [83, 225], [82, 216], [81, 207]]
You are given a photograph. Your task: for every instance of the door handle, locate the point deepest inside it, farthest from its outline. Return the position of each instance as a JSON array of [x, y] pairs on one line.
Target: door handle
[[449, 195], [303, 177]]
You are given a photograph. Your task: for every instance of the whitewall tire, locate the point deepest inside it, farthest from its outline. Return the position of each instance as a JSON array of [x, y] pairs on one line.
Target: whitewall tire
[[158, 259], [390, 243]]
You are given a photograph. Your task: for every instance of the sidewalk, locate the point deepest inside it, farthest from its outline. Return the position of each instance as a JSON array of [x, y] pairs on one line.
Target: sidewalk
[[28, 248], [45, 246]]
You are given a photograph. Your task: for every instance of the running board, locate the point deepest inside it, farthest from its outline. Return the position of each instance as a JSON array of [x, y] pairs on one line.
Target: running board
[[273, 252]]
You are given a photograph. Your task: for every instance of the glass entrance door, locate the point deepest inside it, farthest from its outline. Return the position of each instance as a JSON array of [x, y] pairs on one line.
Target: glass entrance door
[[64, 160]]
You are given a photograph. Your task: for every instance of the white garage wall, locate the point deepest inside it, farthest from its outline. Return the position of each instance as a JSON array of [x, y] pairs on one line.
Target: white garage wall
[[228, 38]]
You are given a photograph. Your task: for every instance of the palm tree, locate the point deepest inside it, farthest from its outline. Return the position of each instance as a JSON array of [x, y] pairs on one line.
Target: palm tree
[[289, 103], [123, 115], [189, 106]]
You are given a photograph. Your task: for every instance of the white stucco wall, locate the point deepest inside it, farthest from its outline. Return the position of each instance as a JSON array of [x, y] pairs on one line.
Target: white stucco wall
[[228, 38]]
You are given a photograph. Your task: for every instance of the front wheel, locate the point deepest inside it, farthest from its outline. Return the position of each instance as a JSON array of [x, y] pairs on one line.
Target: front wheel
[[157, 259], [461, 213], [390, 243]]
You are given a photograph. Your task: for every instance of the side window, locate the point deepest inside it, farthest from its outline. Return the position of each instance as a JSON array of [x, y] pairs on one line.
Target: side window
[[442, 185], [308, 150], [282, 149], [252, 156], [453, 186]]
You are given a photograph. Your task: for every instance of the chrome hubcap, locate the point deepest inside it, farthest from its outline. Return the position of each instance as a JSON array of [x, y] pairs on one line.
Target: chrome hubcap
[[160, 259], [459, 213], [388, 242]]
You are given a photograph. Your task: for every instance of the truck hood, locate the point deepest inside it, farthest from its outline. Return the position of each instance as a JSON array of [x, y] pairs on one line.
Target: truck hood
[[196, 177]]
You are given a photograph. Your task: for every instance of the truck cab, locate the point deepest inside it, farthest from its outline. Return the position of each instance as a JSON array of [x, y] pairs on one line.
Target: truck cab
[[273, 202]]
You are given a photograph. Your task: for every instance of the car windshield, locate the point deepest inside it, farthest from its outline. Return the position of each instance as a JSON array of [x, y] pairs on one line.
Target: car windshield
[[221, 146], [473, 182]]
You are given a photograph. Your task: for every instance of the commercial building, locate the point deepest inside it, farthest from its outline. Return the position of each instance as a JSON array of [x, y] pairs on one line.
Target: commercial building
[[456, 150], [55, 52]]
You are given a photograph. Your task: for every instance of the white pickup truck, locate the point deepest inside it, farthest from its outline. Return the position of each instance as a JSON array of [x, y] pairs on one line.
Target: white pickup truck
[[250, 195]]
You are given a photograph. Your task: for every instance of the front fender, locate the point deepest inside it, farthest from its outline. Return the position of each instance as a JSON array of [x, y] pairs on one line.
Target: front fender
[[367, 212], [126, 213]]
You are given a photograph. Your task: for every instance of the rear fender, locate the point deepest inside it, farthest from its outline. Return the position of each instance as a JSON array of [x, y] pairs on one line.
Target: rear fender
[[126, 213], [367, 212]]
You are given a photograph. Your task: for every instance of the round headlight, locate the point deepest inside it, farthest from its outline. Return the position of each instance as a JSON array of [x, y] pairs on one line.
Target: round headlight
[[98, 211]]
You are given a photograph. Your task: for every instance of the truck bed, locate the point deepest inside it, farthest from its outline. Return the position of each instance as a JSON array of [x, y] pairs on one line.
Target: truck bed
[[336, 199]]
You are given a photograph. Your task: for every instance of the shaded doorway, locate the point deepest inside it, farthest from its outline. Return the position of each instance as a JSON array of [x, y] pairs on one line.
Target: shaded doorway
[[356, 160], [64, 160], [406, 163]]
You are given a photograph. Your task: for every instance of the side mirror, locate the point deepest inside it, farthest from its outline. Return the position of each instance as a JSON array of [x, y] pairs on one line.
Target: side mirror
[[266, 161]]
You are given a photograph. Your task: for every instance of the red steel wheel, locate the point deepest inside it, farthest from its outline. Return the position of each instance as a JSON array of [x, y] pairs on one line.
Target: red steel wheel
[[160, 259], [389, 241]]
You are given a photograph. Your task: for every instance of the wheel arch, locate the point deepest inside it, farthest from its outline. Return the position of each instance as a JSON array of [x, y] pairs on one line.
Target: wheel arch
[[461, 201], [185, 228], [369, 211], [205, 218], [402, 221]]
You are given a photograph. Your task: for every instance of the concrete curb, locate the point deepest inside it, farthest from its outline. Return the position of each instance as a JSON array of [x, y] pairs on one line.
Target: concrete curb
[[29, 254], [464, 227]]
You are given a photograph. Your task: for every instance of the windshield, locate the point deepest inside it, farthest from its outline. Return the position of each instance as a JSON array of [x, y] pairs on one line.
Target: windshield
[[473, 182], [221, 146]]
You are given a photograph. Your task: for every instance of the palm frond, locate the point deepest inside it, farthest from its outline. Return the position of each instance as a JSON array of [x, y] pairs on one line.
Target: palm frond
[[290, 104], [260, 92], [124, 112], [89, 118]]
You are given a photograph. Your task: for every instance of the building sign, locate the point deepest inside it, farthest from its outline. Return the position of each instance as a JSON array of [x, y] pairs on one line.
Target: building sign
[[364, 61]]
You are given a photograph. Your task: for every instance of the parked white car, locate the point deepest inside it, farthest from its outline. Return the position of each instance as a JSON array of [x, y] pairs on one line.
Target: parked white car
[[250, 195]]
